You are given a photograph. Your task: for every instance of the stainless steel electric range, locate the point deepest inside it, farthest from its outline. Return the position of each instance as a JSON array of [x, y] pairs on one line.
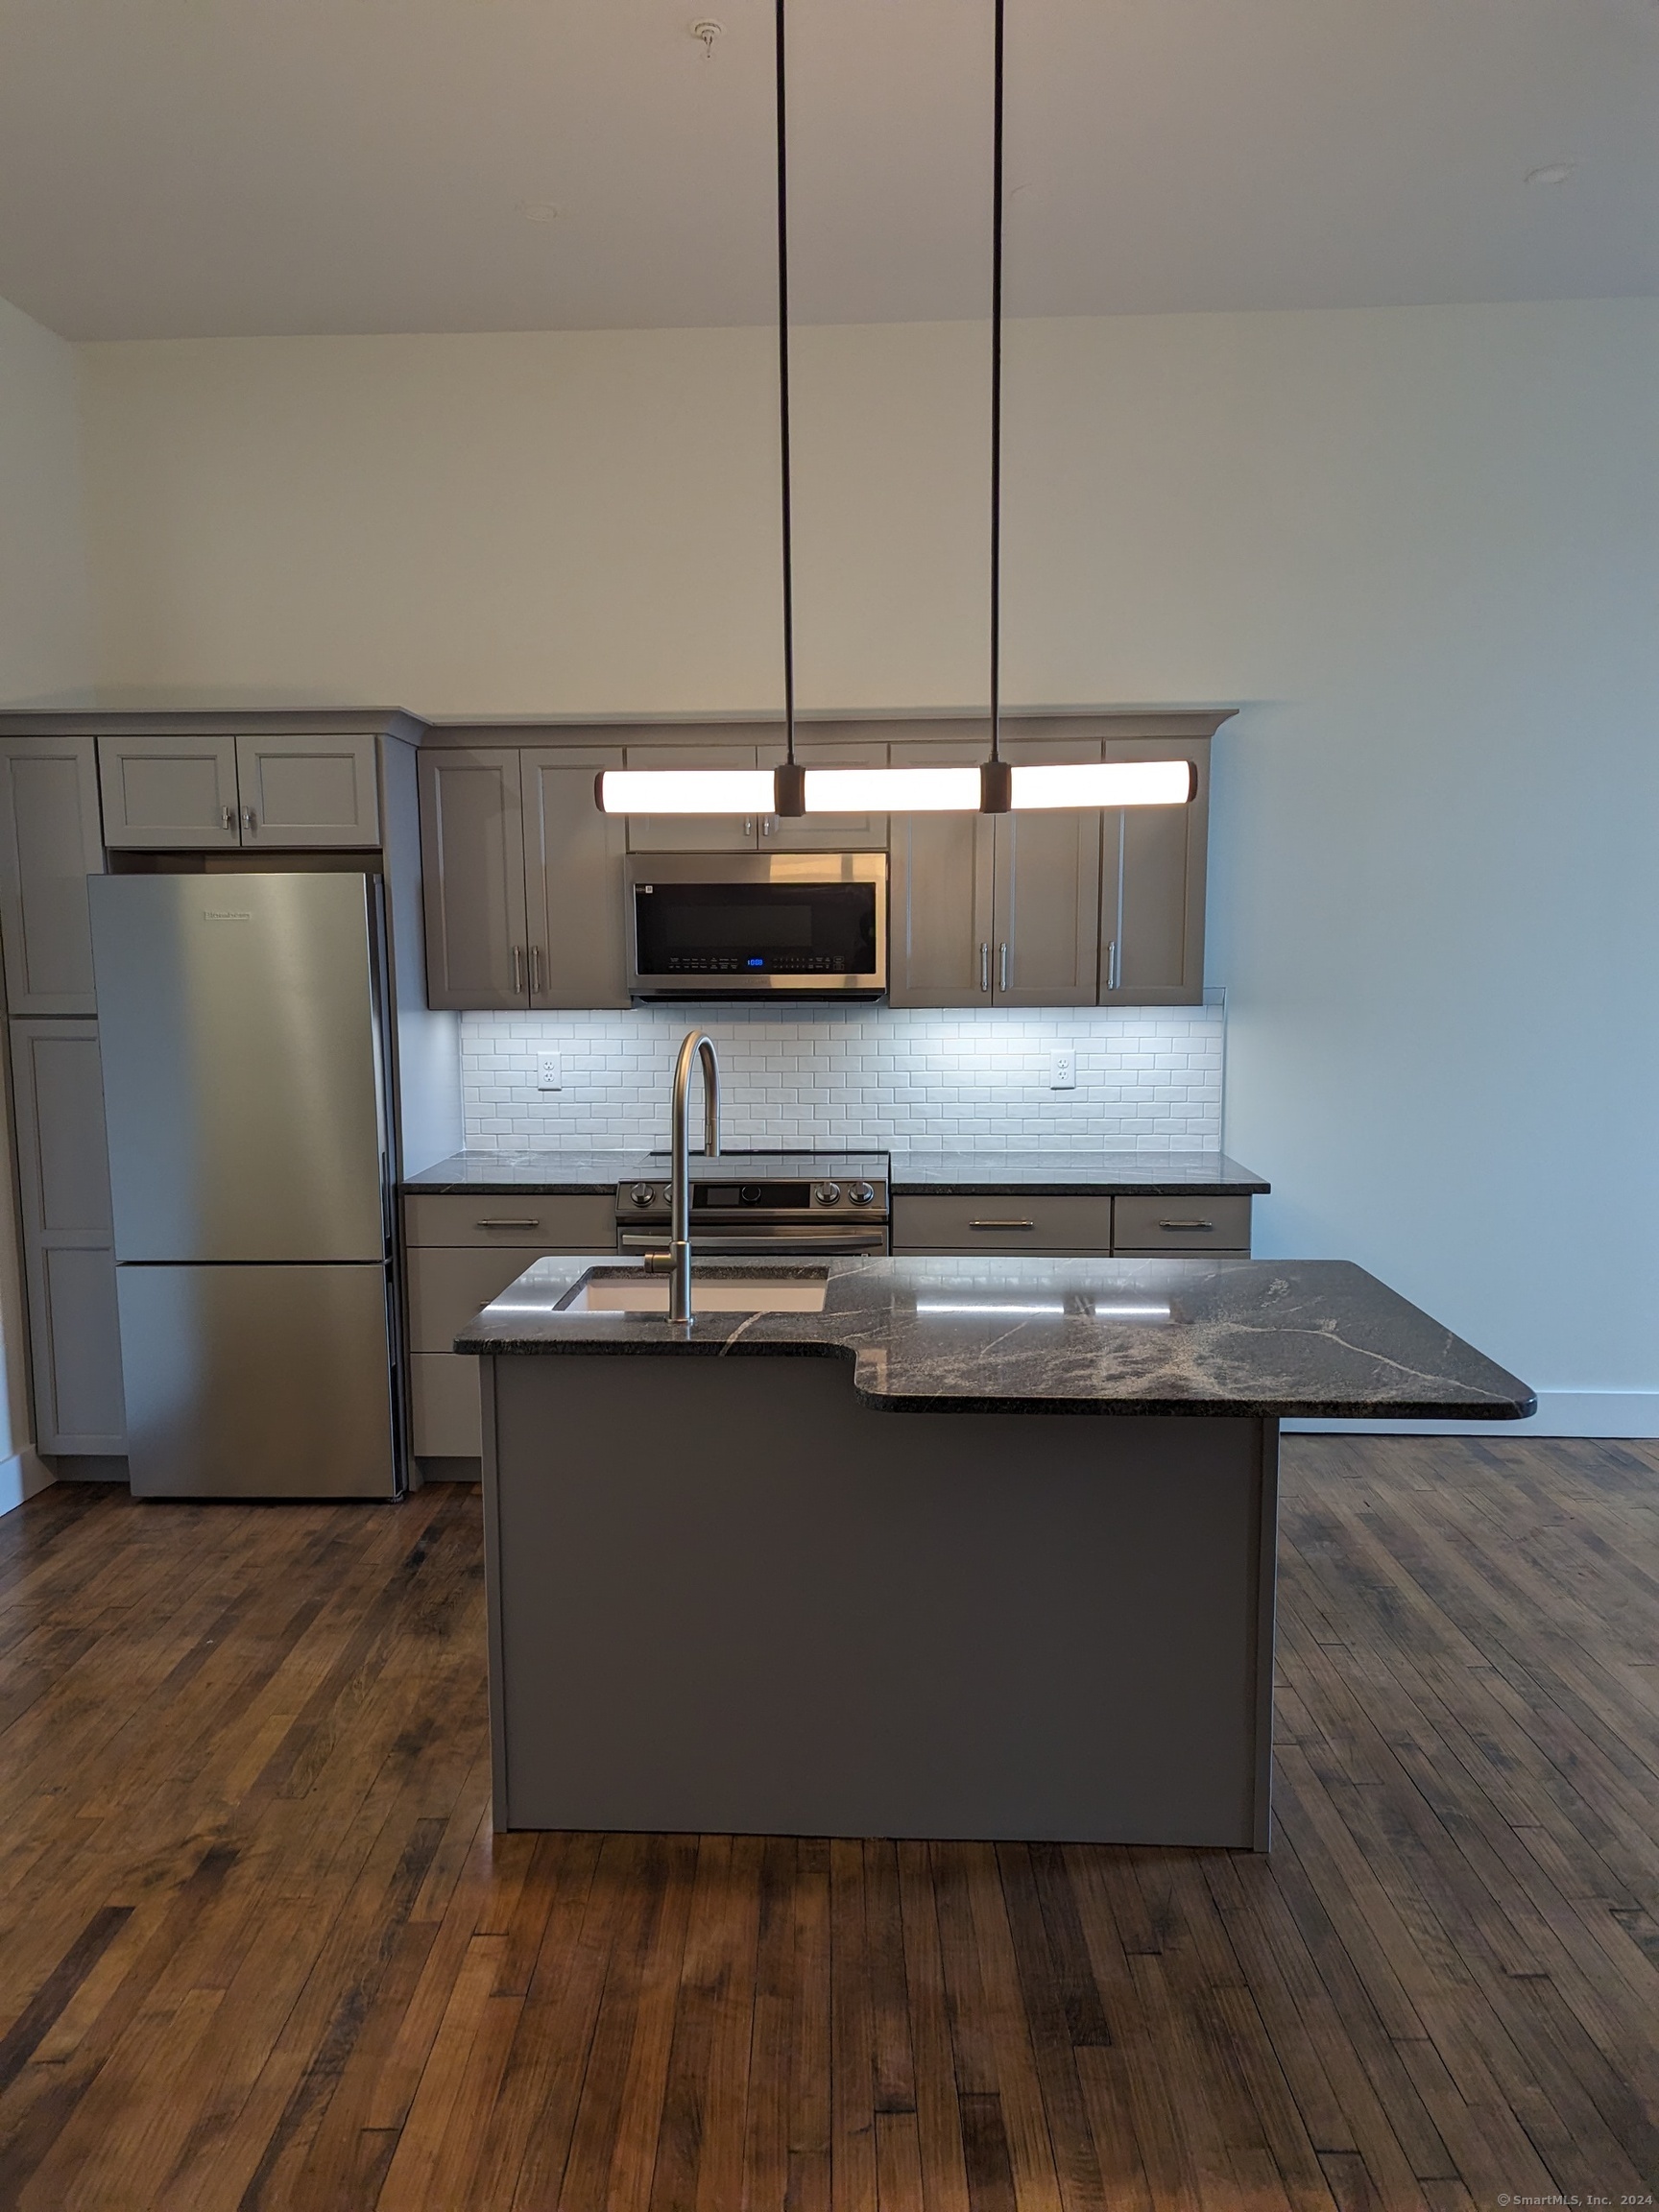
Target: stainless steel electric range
[[782, 1203]]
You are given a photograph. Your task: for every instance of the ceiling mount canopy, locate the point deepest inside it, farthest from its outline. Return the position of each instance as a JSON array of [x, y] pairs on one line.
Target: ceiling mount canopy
[[996, 786]]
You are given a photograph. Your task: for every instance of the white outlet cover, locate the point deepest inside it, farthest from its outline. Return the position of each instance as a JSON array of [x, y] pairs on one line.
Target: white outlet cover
[[1062, 1071], [547, 1071]]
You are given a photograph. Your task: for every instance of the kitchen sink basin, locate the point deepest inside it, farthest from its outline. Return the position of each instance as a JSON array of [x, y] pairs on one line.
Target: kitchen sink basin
[[714, 1290]]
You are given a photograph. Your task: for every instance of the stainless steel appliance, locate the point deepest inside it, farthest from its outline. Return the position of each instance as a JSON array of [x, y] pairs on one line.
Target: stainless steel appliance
[[246, 1083], [748, 924], [784, 1203]]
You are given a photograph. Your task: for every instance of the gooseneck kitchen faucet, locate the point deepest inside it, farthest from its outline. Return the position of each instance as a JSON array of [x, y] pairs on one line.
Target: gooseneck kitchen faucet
[[696, 1046]]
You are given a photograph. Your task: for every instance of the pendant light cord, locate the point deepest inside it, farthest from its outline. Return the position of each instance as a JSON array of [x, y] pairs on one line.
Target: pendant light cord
[[783, 400], [997, 399]]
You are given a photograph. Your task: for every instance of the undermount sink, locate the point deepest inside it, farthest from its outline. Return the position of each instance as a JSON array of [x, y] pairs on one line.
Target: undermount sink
[[714, 1290]]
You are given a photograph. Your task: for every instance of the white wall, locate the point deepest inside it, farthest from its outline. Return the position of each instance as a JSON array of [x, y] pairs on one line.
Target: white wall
[[1421, 547], [45, 653]]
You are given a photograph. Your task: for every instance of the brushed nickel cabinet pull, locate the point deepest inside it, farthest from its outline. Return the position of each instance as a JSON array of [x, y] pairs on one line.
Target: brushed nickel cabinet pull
[[518, 967], [1113, 967], [1001, 1224], [229, 814], [1186, 1224], [510, 1221], [534, 968], [984, 966], [1002, 967], [249, 820]]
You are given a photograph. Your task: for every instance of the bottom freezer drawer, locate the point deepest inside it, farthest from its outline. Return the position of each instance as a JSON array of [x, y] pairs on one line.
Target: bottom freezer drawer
[[257, 1382]]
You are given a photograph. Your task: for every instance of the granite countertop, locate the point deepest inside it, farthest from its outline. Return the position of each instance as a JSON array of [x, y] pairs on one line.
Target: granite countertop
[[1038, 1336], [910, 1174]]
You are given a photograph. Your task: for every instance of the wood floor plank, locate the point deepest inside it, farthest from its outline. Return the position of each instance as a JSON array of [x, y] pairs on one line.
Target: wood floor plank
[[259, 1949]]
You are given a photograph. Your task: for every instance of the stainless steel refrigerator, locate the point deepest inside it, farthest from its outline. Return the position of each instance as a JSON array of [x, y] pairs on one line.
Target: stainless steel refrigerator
[[245, 1084]]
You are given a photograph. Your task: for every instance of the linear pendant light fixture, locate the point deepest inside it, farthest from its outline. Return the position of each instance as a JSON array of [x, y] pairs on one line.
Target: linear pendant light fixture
[[997, 786]]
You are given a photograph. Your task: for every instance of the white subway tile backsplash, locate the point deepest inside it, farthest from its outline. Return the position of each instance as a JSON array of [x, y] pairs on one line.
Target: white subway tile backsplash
[[1149, 1079]]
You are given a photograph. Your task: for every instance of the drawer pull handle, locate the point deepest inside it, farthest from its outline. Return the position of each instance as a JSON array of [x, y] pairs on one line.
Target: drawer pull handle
[[1186, 1224], [1001, 1224], [529, 1222]]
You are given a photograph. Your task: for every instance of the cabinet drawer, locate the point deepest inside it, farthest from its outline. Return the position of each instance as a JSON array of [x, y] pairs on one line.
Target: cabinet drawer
[[443, 1406], [584, 1222], [448, 1284], [1002, 1224], [1181, 1225]]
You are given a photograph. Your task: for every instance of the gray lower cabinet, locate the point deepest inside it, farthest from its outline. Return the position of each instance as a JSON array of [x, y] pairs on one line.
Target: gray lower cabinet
[[472, 878], [460, 1253], [1132, 1227], [50, 843], [310, 792], [573, 882], [68, 1237], [1152, 890]]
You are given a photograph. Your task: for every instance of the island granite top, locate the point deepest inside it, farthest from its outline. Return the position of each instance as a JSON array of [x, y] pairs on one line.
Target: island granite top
[[909, 1174], [1217, 1338]]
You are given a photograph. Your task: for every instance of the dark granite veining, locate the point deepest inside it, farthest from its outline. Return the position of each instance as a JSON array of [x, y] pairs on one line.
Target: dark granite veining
[[939, 1174], [1297, 1337]]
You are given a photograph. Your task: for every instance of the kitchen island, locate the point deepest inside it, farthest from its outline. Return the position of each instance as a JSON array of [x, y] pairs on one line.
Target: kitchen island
[[917, 1546]]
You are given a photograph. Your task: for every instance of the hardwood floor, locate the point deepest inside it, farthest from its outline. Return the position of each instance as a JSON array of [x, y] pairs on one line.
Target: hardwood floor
[[257, 1947]]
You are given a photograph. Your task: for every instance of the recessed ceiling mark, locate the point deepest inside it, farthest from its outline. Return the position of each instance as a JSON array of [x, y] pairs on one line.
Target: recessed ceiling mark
[[538, 210], [708, 30], [1552, 172]]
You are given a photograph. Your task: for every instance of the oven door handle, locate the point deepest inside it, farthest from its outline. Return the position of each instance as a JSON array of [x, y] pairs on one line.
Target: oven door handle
[[785, 1245]]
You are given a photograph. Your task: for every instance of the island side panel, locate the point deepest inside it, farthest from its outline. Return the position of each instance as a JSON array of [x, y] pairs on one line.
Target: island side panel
[[733, 1598], [493, 1600], [1263, 1658]]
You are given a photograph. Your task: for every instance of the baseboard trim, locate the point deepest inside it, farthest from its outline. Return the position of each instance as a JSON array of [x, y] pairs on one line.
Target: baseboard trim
[[21, 1476], [1604, 1413]]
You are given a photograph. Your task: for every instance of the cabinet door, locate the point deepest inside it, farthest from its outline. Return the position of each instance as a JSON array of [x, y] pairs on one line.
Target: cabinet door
[[940, 940], [1152, 890], [162, 792], [49, 844], [573, 882], [300, 792], [1047, 910], [693, 832], [824, 832], [68, 1241], [472, 880]]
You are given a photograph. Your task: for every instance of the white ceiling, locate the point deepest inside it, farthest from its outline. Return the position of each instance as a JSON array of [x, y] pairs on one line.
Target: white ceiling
[[201, 167]]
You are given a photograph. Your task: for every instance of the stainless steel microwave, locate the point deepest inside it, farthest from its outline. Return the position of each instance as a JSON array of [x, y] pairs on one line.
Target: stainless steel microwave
[[753, 925]]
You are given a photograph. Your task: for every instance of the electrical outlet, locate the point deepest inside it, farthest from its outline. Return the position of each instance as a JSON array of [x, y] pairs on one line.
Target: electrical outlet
[[547, 1071], [1062, 1071]]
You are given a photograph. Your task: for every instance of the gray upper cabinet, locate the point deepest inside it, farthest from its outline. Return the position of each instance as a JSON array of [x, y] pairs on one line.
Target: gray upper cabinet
[[49, 844], [940, 930], [171, 791], [309, 791], [573, 882], [1048, 896], [472, 878], [693, 832], [1000, 911], [68, 1240], [1152, 889], [826, 833]]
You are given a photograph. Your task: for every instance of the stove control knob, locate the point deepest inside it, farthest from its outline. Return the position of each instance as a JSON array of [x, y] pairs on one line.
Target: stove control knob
[[642, 1194], [749, 1195], [826, 1193], [863, 1194]]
